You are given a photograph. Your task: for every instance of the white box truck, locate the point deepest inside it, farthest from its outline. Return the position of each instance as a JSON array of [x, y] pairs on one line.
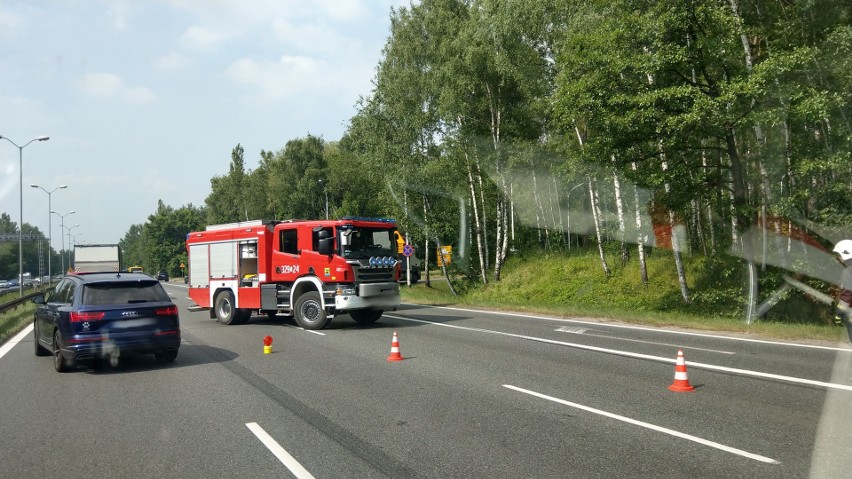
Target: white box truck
[[91, 258]]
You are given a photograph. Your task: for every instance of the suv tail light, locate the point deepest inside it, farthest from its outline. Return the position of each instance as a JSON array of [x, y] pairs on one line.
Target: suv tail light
[[79, 317], [167, 311]]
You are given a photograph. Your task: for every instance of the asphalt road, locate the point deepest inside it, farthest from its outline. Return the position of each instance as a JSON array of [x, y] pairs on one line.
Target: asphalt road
[[479, 394]]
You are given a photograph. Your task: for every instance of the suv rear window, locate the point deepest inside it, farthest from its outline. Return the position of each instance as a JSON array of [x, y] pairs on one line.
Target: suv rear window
[[123, 293]]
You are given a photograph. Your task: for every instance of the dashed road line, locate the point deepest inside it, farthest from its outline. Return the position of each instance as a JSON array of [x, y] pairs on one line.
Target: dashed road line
[[289, 461], [585, 332], [629, 354], [641, 328], [654, 427]]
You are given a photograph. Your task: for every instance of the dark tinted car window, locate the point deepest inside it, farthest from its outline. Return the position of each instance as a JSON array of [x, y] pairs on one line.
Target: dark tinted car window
[[123, 293], [53, 294], [61, 293]]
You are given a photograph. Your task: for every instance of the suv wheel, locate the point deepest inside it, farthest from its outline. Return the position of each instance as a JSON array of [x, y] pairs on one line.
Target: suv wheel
[[59, 362], [166, 356]]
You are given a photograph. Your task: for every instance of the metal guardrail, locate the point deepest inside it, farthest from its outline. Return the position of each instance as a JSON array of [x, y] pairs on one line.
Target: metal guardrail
[[9, 305]]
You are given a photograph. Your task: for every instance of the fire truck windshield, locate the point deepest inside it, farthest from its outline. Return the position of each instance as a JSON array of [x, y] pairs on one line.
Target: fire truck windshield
[[361, 243]]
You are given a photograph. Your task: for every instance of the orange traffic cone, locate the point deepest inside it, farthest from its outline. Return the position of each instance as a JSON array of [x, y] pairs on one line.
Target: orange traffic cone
[[681, 382], [394, 354]]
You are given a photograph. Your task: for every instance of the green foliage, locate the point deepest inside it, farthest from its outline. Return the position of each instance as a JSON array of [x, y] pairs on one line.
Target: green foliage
[[711, 111], [166, 232], [574, 284], [228, 201], [161, 242]]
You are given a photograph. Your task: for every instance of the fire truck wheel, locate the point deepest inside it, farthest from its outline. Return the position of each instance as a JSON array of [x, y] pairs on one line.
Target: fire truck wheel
[[309, 313], [366, 316], [224, 307]]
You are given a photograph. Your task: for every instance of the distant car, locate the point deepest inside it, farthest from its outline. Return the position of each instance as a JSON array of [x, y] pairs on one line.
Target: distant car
[[163, 275], [93, 316]]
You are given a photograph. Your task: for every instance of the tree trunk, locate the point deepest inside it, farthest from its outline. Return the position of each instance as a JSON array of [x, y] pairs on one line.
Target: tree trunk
[[640, 238], [426, 277], [501, 247], [483, 216], [477, 232], [619, 206], [596, 218], [740, 206], [676, 242], [681, 272], [447, 277], [538, 211]]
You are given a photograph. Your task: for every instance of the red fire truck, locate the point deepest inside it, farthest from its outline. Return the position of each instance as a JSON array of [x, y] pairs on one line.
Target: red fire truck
[[311, 270]]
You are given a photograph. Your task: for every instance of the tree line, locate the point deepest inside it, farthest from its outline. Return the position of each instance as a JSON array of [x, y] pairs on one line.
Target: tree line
[[622, 127]]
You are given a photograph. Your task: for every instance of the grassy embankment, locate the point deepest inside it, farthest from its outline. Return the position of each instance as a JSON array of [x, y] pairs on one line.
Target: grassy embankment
[[13, 321], [575, 286]]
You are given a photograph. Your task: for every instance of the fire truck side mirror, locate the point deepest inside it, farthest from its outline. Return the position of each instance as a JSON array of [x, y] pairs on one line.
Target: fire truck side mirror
[[326, 245], [346, 237]]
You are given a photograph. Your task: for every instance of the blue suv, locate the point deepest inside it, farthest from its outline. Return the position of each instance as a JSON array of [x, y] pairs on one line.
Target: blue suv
[[93, 316]]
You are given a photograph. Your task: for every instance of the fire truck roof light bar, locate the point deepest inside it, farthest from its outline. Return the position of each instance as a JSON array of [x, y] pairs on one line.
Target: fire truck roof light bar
[[375, 220]]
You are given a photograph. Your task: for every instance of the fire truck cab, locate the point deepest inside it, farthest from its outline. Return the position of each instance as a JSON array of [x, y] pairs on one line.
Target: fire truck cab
[[309, 269]]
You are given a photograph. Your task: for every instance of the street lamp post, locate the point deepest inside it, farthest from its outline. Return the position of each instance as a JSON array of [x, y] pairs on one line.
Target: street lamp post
[[49, 229], [62, 235], [326, 198], [21, 224], [77, 238], [69, 228]]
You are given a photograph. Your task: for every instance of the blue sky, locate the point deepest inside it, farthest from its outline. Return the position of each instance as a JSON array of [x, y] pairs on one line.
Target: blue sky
[[144, 100]]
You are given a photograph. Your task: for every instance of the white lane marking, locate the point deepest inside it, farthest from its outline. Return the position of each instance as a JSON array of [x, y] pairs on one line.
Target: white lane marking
[[584, 332], [305, 330], [640, 328], [15, 340], [653, 427], [279, 452], [566, 329], [712, 367]]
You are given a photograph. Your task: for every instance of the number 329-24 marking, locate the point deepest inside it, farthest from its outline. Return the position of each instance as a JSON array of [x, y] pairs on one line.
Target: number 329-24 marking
[[287, 269]]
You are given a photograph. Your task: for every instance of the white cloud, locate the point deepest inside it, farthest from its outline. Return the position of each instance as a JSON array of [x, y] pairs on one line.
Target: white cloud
[[8, 182], [344, 10], [172, 61], [9, 21], [312, 37], [30, 114], [203, 38], [289, 77], [118, 13], [107, 85], [255, 72]]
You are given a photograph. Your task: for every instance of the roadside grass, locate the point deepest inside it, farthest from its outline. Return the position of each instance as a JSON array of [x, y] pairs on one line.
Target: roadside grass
[[11, 322], [575, 287]]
